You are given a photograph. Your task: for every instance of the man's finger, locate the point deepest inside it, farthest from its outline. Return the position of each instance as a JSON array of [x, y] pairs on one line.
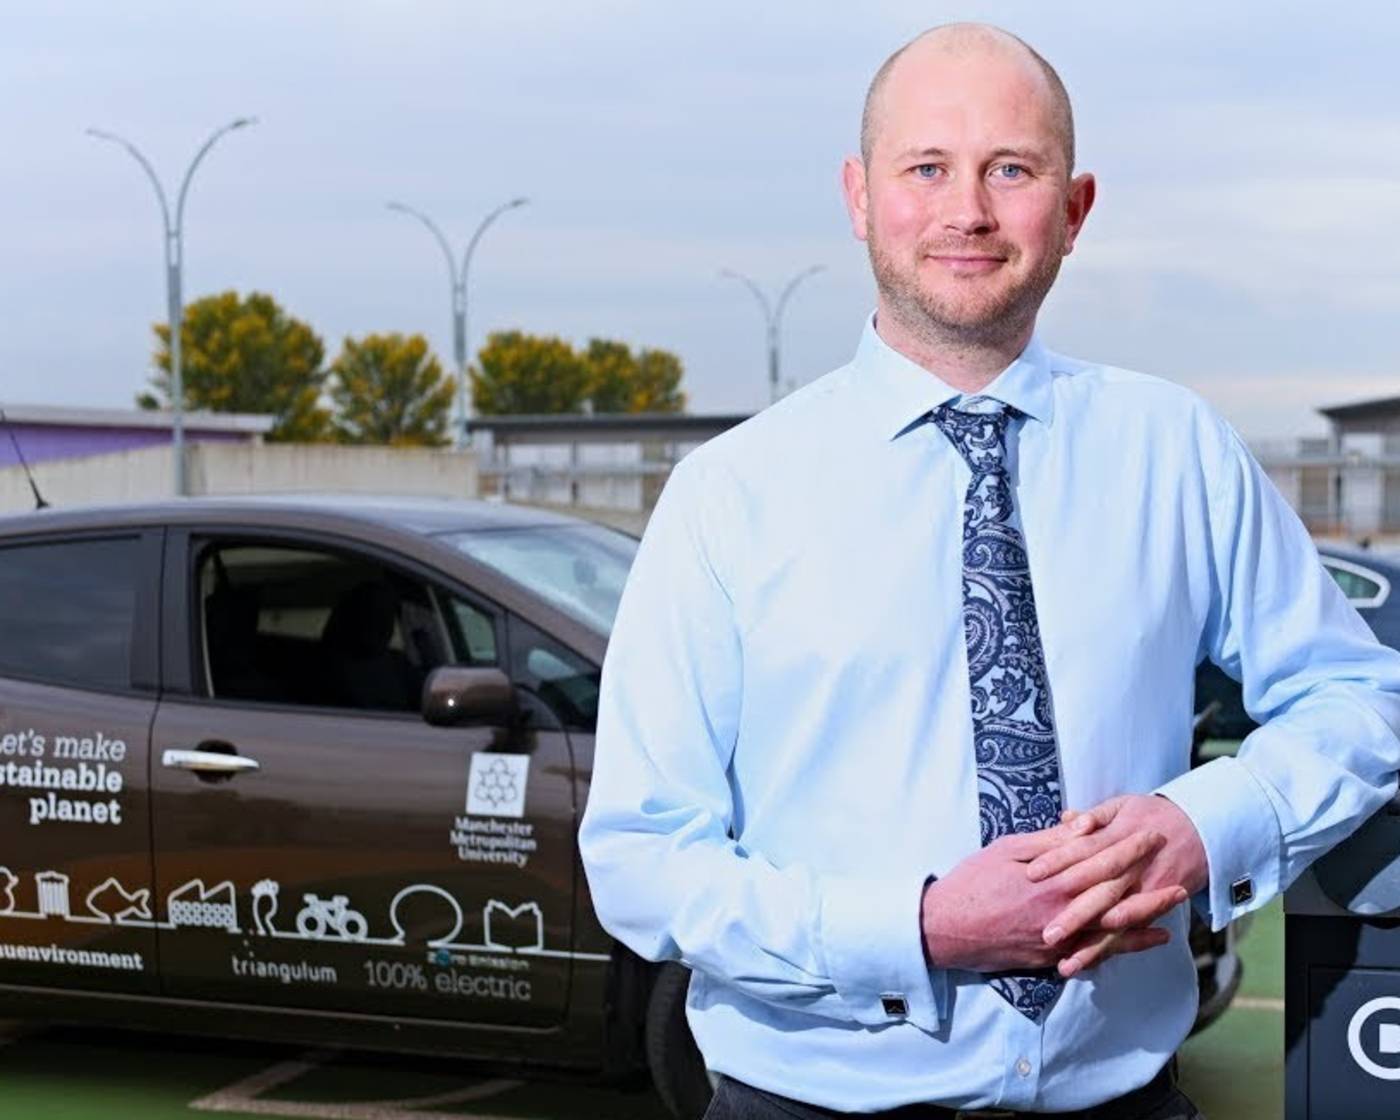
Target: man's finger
[[1028, 846], [1104, 812], [1117, 859], [1096, 905], [1086, 909], [1024, 845], [1100, 948], [1061, 856], [1143, 908]]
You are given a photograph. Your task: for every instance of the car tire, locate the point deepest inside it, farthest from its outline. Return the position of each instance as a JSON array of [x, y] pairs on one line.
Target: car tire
[[677, 1069]]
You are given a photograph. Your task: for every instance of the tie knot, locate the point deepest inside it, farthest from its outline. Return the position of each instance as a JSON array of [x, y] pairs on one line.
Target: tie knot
[[977, 428]]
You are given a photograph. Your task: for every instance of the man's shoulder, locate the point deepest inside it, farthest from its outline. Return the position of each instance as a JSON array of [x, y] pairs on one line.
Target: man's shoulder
[[1165, 420], [801, 420], [1103, 385]]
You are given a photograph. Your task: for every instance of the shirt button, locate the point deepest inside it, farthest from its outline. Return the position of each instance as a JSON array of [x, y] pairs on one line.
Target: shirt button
[[1023, 1067]]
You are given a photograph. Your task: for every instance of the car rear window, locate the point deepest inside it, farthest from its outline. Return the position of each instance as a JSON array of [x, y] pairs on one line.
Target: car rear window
[[1357, 587], [66, 611]]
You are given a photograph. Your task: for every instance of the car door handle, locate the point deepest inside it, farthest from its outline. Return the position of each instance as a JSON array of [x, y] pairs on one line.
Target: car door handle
[[208, 762]]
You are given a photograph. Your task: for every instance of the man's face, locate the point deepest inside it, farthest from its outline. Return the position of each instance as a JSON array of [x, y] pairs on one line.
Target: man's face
[[966, 202]]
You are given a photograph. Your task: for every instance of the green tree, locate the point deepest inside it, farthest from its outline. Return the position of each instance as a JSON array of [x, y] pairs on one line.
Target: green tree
[[246, 355], [522, 373], [389, 388], [525, 373]]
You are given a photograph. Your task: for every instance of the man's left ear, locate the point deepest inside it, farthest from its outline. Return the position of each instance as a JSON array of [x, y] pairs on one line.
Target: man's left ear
[[1077, 206]]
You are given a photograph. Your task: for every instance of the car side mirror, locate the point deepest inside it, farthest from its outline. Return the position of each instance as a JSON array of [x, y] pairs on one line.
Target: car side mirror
[[455, 695]]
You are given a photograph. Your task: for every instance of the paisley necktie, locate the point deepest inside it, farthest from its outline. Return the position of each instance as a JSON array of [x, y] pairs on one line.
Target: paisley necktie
[[1018, 769]]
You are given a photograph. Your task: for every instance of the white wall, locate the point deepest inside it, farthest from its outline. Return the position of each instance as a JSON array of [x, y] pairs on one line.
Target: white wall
[[146, 473]]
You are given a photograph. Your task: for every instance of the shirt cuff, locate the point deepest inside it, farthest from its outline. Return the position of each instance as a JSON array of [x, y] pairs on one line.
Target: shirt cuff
[[872, 943], [1239, 829]]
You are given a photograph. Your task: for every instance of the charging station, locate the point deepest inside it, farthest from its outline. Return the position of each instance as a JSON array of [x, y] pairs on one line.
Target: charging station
[[1342, 979]]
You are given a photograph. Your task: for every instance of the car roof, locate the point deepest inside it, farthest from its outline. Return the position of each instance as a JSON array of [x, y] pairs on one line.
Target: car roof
[[417, 515]]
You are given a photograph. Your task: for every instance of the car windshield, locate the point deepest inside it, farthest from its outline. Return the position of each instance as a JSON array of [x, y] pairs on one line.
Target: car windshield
[[578, 568]]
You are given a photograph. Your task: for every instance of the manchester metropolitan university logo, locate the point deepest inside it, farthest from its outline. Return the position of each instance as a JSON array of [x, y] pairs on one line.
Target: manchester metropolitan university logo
[[496, 784]]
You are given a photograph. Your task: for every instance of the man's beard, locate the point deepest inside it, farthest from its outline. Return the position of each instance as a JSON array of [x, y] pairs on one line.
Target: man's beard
[[989, 319]]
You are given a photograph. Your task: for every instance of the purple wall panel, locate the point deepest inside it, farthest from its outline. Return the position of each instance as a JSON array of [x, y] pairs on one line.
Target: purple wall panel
[[41, 442]]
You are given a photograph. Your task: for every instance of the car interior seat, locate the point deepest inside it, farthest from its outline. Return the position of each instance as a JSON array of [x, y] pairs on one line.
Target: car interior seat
[[363, 670], [231, 640]]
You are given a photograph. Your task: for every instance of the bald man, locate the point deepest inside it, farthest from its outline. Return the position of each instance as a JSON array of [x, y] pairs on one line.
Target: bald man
[[893, 741]]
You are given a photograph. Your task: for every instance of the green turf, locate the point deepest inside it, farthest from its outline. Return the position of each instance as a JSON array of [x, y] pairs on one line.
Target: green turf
[[1234, 1068]]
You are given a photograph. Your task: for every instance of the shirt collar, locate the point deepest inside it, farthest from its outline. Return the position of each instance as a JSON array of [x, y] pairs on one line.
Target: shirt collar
[[899, 391]]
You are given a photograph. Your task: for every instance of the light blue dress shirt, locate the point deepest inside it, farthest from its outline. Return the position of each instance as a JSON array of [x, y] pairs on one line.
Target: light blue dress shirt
[[784, 747]]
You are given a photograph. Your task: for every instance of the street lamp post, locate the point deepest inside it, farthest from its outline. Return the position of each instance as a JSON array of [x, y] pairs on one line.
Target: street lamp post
[[772, 315], [459, 296], [174, 279]]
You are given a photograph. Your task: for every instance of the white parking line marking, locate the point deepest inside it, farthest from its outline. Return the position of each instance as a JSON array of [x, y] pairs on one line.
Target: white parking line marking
[[1257, 1003], [233, 1096], [245, 1096]]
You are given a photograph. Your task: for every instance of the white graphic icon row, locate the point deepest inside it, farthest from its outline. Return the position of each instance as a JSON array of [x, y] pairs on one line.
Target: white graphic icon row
[[511, 929]]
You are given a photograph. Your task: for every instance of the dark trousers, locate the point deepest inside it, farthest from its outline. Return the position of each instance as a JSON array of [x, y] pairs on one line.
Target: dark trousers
[[1159, 1100]]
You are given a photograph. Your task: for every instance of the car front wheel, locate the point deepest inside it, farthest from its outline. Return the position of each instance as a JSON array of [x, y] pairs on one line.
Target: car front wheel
[[677, 1069]]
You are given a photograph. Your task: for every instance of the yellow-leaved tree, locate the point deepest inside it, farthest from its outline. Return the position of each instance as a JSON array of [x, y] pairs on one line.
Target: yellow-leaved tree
[[389, 388], [519, 373], [246, 354]]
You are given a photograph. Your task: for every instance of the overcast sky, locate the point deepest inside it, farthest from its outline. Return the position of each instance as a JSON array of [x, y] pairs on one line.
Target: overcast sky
[[1246, 240]]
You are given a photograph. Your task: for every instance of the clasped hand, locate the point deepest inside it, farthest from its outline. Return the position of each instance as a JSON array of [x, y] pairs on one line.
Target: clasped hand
[[1070, 896]]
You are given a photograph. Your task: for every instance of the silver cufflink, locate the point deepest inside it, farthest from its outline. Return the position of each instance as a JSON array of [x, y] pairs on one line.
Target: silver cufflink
[[895, 1005], [1241, 891]]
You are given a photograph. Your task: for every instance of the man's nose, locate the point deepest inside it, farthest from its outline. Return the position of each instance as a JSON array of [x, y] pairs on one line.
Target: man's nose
[[969, 209]]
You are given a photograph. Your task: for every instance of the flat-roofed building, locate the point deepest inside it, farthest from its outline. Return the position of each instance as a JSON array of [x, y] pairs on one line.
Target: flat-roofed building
[[597, 463], [1346, 483], [47, 432]]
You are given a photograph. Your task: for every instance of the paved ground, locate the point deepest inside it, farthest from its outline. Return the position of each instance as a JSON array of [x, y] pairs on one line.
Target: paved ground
[[1234, 1070]]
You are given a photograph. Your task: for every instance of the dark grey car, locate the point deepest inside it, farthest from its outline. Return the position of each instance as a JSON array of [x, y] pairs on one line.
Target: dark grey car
[[310, 769], [1366, 579]]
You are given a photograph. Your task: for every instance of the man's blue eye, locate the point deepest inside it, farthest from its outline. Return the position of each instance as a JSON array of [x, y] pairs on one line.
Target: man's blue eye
[[926, 170], [1011, 171]]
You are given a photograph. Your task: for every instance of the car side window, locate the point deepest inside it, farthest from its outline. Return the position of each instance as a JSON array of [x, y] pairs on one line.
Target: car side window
[[67, 610], [565, 681], [294, 624], [1355, 586], [471, 629]]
